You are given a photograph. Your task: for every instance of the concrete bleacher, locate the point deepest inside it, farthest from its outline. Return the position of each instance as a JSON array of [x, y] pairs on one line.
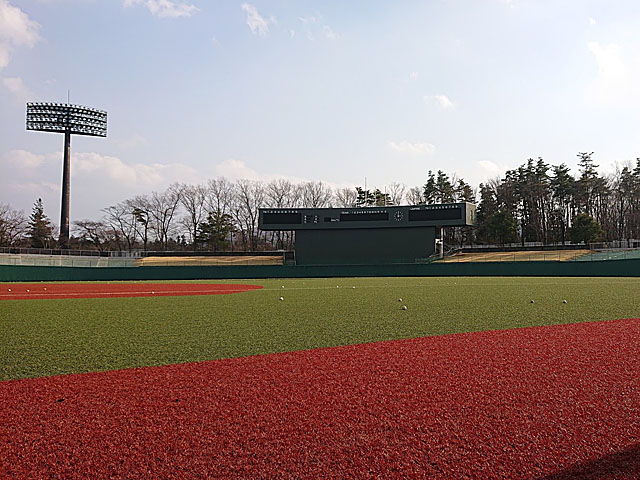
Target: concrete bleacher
[[210, 260], [514, 256]]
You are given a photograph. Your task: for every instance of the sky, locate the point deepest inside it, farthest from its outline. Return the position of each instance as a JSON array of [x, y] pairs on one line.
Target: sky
[[308, 90]]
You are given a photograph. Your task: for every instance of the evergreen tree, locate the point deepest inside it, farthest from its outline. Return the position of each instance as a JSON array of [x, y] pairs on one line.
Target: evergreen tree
[[586, 184], [381, 199], [429, 190], [40, 228], [213, 232], [502, 227], [486, 209], [464, 192], [585, 229], [562, 189], [444, 188], [142, 217], [365, 198]]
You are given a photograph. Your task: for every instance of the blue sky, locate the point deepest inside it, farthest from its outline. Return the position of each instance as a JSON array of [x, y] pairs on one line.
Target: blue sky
[[308, 90]]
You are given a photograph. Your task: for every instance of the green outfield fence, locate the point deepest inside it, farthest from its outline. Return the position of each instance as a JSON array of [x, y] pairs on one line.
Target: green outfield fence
[[604, 268]]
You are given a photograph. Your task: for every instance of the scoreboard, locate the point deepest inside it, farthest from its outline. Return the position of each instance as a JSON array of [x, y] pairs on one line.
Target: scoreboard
[[369, 236], [441, 215]]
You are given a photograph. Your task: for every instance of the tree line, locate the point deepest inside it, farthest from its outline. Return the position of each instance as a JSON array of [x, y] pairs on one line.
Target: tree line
[[538, 202], [535, 202]]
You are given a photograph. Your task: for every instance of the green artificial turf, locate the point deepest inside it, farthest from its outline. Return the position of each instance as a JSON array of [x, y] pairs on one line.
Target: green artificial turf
[[50, 337]]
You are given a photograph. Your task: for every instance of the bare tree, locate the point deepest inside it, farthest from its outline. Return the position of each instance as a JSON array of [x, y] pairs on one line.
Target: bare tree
[[13, 225], [96, 233], [346, 197], [250, 196], [414, 196], [193, 199], [220, 195], [316, 195], [280, 193], [163, 209], [396, 192], [122, 219]]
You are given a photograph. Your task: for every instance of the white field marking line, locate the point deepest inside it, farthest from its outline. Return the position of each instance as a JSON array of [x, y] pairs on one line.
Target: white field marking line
[[148, 292]]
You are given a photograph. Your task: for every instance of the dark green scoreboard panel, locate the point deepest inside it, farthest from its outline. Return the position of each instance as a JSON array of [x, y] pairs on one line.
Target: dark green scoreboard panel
[[356, 246], [372, 235]]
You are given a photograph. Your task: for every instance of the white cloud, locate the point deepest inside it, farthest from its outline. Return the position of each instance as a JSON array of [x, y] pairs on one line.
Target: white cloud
[[17, 87], [235, 169], [5, 55], [413, 76], [136, 140], [442, 100], [609, 59], [315, 28], [292, 33], [491, 168], [102, 168], [413, 149], [16, 30], [618, 79], [16, 27], [257, 23], [138, 174], [96, 180], [35, 188], [592, 21], [329, 33], [165, 8], [311, 19], [22, 159]]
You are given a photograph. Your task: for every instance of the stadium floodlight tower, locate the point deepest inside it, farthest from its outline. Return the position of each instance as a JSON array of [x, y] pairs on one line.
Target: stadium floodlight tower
[[68, 119]]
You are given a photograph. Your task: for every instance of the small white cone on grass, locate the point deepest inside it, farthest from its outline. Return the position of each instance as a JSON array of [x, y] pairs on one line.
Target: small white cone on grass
[[399, 299], [404, 307], [353, 287], [281, 298], [282, 286], [532, 301], [564, 301]]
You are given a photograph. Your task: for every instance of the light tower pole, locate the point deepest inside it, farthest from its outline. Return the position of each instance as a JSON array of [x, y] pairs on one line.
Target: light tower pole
[[68, 119]]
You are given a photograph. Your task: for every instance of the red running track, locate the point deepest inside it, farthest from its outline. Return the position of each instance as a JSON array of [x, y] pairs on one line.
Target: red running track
[[39, 291], [560, 402]]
